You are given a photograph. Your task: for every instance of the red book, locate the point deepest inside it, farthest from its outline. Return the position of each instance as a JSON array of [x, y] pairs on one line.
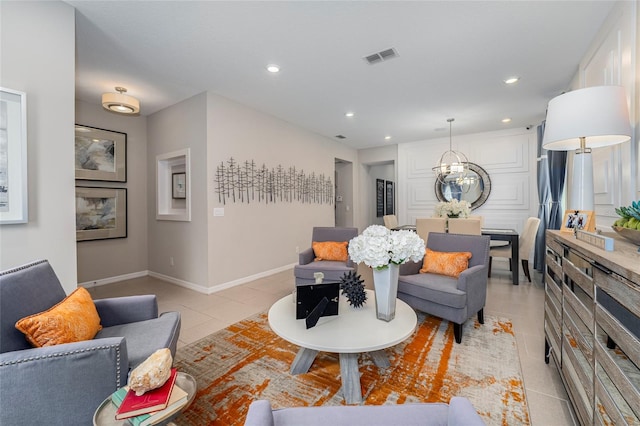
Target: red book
[[153, 400]]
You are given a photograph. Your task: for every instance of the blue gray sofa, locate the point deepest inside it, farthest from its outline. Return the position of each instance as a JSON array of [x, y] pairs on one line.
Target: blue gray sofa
[[453, 299], [64, 384], [459, 411]]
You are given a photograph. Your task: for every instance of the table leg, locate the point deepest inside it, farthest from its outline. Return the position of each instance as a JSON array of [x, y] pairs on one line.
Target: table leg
[[515, 261], [303, 360], [351, 390], [380, 359]]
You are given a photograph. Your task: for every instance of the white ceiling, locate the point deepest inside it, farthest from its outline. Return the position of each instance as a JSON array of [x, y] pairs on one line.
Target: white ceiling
[[453, 56]]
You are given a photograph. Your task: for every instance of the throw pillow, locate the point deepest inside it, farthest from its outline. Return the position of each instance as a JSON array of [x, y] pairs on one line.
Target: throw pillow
[[74, 319], [445, 263], [330, 250]]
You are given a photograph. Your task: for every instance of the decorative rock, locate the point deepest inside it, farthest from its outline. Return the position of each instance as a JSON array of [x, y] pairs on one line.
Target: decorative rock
[[152, 373]]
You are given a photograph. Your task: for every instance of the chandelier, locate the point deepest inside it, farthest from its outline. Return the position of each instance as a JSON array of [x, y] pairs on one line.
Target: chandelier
[[453, 166]]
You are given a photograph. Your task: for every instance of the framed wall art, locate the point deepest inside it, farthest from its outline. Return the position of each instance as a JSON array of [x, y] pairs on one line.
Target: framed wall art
[[179, 185], [100, 154], [379, 197], [583, 220], [13, 157], [389, 198], [101, 213]]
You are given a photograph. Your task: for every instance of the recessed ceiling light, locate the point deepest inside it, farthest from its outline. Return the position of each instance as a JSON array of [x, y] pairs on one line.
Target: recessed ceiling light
[[511, 80], [387, 138], [349, 114], [506, 120], [273, 68]]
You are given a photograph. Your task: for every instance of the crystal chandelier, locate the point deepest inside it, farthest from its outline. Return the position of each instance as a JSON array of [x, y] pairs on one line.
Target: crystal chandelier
[[453, 166]]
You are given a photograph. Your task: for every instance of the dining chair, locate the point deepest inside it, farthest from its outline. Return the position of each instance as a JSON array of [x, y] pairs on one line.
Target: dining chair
[[465, 226], [525, 244], [430, 224], [390, 221], [478, 217]]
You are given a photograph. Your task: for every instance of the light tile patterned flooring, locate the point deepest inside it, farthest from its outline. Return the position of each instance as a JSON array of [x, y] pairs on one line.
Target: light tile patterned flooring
[[523, 304]]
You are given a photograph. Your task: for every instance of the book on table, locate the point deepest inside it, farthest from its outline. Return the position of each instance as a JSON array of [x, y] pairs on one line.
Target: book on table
[[153, 400], [178, 399]]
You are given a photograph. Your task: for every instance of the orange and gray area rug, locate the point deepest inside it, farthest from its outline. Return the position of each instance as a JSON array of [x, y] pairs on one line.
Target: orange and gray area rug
[[247, 361]]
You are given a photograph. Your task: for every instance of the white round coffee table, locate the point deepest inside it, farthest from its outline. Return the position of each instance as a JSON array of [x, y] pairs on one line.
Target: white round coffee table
[[351, 332]]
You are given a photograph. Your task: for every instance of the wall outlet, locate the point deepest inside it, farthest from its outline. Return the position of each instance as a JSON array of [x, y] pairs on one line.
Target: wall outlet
[[171, 261], [218, 211]]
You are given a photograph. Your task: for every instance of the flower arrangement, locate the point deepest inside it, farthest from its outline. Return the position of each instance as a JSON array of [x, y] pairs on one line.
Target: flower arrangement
[[453, 208], [377, 247]]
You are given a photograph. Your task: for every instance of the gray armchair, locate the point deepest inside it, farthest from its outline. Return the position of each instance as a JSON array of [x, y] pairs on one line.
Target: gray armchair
[[453, 299], [64, 384], [332, 270]]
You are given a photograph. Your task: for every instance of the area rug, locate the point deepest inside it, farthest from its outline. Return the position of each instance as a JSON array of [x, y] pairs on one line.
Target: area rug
[[247, 361]]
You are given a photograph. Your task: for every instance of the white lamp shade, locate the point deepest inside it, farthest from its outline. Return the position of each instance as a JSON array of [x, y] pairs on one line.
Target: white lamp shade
[[119, 102], [599, 114]]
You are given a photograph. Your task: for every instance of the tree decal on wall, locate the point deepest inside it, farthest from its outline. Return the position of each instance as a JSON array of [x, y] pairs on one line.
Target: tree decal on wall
[[246, 182]]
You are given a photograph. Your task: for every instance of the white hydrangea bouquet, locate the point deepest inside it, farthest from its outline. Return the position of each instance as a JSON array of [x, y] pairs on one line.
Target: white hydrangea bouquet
[[453, 208], [377, 246]]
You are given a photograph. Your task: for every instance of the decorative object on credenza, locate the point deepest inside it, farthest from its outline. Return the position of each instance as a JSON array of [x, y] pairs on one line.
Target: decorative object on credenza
[[587, 118], [578, 220], [100, 154], [353, 288], [628, 225], [101, 213], [246, 182], [13, 157], [453, 209], [383, 250]]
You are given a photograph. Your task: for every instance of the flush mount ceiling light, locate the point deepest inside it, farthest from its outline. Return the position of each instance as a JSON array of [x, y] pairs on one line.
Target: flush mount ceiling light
[[506, 120], [349, 114], [120, 103], [387, 138], [453, 165], [511, 80], [273, 68]]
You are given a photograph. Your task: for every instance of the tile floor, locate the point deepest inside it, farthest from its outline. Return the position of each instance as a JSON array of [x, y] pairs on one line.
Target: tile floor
[[523, 304]]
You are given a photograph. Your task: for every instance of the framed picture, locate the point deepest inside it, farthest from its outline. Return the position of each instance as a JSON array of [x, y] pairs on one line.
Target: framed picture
[[379, 197], [100, 154], [179, 185], [389, 199], [578, 219], [13, 157], [101, 213]]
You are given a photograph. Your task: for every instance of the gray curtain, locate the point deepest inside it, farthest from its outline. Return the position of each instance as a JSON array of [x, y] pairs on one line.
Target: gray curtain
[[557, 168], [544, 197]]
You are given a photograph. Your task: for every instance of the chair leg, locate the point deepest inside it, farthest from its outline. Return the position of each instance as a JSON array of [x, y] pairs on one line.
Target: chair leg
[[510, 267], [490, 266], [457, 332], [525, 268], [481, 316]]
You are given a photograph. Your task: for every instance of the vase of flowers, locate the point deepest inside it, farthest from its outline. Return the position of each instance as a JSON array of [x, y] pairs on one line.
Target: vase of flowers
[[384, 250], [453, 209]]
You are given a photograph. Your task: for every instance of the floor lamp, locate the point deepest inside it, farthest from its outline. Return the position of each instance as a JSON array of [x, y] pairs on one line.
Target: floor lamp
[[584, 119]]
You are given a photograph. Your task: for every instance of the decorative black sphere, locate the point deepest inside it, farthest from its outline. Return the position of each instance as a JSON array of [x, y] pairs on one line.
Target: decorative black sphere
[[353, 287]]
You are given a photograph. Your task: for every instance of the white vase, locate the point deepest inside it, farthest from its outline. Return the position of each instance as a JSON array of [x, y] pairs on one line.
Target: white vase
[[385, 284]]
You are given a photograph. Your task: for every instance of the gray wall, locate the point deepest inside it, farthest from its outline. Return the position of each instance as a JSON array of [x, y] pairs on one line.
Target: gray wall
[[38, 57], [120, 258]]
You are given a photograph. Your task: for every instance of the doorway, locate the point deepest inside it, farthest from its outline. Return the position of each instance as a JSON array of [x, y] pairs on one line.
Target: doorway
[[343, 178]]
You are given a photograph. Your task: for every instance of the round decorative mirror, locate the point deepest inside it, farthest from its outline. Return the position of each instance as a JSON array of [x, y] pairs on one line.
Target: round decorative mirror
[[474, 187]]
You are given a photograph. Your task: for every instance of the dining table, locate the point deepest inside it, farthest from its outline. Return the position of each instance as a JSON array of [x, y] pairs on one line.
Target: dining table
[[495, 234]]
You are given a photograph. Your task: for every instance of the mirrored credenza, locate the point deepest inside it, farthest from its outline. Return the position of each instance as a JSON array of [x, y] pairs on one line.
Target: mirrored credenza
[[592, 326]]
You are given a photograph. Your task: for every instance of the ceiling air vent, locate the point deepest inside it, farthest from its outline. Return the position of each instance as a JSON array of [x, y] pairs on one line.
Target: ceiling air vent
[[340, 137], [383, 55]]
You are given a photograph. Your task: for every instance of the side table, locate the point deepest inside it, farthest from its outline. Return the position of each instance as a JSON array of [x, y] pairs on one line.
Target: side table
[[105, 415]]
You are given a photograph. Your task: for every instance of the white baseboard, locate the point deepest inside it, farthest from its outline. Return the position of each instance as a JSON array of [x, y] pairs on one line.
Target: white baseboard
[[187, 284], [115, 279]]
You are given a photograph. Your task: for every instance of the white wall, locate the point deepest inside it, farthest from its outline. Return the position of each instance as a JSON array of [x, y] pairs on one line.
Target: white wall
[[508, 156], [38, 57], [101, 260], [256, 237], [183, 125]]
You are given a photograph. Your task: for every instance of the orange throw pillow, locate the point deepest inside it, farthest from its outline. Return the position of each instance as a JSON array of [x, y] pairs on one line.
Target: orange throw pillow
[[445, 263], [330, 250], [74, 319]]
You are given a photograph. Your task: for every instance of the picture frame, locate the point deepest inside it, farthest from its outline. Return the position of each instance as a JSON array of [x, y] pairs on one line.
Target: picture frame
[[389, 198], [13, 157], [379, 197], [179, 185], [101, 213], [583, 220], [100, 154]]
